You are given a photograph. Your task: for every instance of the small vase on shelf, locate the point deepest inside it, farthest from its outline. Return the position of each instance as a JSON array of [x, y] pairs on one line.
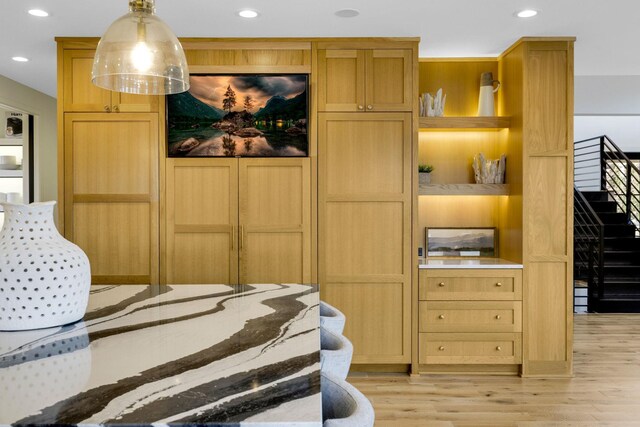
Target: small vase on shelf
[[424, 174], [44, 278]]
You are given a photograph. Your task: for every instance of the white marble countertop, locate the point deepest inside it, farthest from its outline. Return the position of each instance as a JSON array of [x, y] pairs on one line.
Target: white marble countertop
[[462, 263], [211, 355]]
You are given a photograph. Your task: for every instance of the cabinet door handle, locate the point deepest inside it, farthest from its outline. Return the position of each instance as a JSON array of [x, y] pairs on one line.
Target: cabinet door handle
[[441, 316], [498, 348], [369, 107], [498, 317], [441, 348], [499, 285], [241, 237], [441, 284], [116, 108], [107, 108], [360, 107]]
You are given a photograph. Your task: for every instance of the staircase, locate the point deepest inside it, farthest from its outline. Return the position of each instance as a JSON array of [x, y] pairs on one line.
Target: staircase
[[621, 258], [607, 226]]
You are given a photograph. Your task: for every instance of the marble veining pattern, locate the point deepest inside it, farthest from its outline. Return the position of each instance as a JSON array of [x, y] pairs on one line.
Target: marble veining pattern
[[213, 355]]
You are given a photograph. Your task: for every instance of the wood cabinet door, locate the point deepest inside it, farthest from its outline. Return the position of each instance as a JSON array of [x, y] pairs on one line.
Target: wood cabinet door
[[202, 221], [275, 220], [389, 80], [130, 103], [341, 80], [81, 95], [111, 194], [364, 214]]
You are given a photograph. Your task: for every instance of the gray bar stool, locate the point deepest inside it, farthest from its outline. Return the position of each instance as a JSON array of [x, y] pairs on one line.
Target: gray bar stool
[[331, 318], [336, 352], [343, 405]]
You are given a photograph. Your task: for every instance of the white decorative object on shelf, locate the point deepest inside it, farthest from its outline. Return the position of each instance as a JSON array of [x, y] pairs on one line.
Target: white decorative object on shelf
[[44, 279], [486, 106], [489, 171], [432, 106]]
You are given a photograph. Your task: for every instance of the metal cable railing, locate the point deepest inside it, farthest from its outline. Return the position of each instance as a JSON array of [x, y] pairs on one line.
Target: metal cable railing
[[601, 165], [588, 247]]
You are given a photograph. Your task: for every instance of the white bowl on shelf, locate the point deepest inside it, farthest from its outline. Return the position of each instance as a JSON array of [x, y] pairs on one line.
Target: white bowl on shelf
[[8, 160]]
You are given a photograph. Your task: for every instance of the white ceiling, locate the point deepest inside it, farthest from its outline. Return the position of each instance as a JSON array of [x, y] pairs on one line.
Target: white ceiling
[[608, 31]]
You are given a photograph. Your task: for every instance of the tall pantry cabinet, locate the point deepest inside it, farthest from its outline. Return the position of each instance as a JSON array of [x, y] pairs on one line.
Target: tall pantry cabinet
[[108, 171], [366, 100]]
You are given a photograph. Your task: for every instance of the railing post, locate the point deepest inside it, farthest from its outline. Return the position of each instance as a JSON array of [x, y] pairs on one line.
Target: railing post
[[592, 293], [628, 197], [603, 165], [601, 264]]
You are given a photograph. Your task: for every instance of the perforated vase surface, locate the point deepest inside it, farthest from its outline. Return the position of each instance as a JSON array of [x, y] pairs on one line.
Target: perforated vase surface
[[44, 279]]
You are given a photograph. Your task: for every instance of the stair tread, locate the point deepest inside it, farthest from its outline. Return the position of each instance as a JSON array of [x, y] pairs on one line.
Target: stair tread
[[621, 281]]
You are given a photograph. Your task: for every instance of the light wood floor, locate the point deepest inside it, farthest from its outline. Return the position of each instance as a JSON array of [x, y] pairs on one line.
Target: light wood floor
[[604, 392]]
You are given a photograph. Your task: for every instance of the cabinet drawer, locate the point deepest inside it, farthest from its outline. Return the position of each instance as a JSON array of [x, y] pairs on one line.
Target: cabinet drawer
[[471, 316], [451, 285], [499, 348]]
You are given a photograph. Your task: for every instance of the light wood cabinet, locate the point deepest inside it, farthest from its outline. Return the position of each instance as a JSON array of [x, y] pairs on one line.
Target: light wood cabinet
[[531, 211], [111, 193], [238, 220], [470, 317], [537, 75], [81, 95], [352, 80], [365, 229]]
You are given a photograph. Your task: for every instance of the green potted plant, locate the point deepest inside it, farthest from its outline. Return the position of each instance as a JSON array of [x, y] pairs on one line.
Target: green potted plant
[[424, 174]]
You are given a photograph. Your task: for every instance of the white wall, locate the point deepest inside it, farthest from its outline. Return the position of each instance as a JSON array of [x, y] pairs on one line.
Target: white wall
[[608, 105], [43, 108]]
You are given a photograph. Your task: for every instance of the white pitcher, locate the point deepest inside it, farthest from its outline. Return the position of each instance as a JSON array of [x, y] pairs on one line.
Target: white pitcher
[[486, 105]]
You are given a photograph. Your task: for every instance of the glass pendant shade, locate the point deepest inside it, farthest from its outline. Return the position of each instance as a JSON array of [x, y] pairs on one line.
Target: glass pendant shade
[[139, 54]]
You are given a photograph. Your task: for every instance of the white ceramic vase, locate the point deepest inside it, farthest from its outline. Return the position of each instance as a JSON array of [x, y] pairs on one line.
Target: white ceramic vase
[[44, 279]]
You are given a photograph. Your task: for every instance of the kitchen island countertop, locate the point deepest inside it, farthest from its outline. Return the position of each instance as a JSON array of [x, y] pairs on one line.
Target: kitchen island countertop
[[213, 355]]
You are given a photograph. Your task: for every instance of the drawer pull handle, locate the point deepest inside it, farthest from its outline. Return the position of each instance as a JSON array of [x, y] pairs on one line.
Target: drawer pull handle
[[441, 284], [498, 317], [498, 348], [499, 285], [441, 348], [360, 107], [441, 316]]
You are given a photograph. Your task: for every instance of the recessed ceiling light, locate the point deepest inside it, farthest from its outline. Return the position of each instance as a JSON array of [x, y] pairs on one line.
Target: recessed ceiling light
[[20, 59], [348, 13], [527, 13], [248, 13], [38, 12]]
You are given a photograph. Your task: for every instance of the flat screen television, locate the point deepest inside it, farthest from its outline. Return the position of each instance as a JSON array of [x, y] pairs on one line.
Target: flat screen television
[[240, 115]]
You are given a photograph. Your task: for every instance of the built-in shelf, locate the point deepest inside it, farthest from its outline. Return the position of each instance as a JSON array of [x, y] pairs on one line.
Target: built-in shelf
[[478, 123], [10, 173], [10, 142], [463, 190]]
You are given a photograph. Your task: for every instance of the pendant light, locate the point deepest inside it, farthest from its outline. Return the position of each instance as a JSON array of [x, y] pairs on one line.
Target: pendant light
[[139, 54]]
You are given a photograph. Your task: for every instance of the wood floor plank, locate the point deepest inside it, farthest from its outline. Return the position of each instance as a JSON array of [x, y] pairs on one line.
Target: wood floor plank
[[605, 390]]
